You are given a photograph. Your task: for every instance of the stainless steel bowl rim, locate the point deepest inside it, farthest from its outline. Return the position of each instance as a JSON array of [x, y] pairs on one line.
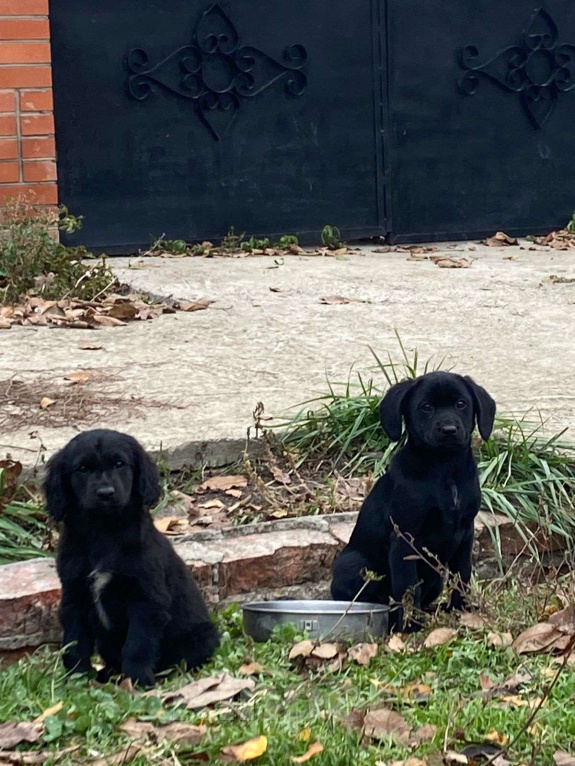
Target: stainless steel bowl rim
[[313, 607]]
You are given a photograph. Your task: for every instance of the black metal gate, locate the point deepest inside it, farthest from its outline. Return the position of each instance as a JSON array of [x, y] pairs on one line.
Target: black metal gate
[[187, 118], [481, 123], [422, 119]]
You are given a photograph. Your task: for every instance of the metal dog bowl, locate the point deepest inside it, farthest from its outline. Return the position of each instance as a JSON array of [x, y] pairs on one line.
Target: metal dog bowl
[[318, 618]]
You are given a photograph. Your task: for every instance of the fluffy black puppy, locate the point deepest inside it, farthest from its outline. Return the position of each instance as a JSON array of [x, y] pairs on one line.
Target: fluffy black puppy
[[125, 591], [426, 501]]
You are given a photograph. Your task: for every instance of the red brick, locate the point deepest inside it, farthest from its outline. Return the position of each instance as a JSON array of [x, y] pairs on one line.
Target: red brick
[[40, 171], [23, 7], [25, 53], [24, 29], [10, 172], [37, 124], [7, 101], [35, 194], [36, 101], [273, 560], [8, 125], [25, 76], [38, 148], [8, 148], [29, 597]]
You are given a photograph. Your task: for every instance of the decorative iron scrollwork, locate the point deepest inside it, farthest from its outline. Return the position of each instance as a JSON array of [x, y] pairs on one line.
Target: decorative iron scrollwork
[[215, 73], [539, 68]]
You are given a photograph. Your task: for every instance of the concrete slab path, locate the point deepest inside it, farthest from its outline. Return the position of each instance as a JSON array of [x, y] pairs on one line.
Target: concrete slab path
[[196, 377]]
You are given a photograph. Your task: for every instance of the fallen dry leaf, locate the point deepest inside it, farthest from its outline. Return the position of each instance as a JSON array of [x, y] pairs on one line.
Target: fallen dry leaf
[[50, 711], [246, 751], [213, 504], [450, 262], [314, 749], [46, 402], [22, 758], [562, 758], [325, 651], [486, 682], [223, 483], [251, 669], [178, 732], [280, 476], [542, 637], [11, 471], [424, 734], [473, 621], [12, 733], [78, 377], [237, 493], [417, 691], [411, 761], [499, 640], [363, 653], [199, 305], [497, 738], [353, 721], [123, 756], [301, 649], [564, 620], [207, 691], [383, 723], [438, 637], [500, 239], [165, 523], [396, 644], [124, 311], [34, 757]]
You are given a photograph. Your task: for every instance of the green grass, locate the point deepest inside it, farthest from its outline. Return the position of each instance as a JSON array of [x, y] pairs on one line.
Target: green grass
[[92, 714], [22, 530], [529, 478]]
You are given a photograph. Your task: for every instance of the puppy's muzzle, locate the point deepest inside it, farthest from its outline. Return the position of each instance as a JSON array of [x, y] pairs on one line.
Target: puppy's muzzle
[[105, 494]]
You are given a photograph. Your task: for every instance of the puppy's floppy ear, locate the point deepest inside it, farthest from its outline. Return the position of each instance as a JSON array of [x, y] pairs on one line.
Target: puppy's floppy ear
[[391, 408], [484, 408], [55, 489], [147, 482]]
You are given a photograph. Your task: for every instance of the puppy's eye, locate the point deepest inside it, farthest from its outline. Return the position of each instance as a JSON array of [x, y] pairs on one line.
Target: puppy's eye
[[119, 464], [461, 404], [82, 468], [426, 407]]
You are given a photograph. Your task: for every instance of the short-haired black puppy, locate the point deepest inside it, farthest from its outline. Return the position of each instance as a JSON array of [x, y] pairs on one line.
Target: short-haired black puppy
[[125, 591], [427, 500]]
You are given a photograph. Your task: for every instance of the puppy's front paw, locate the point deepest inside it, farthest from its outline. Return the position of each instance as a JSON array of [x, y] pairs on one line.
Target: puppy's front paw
[[141, 675], [105, 673]]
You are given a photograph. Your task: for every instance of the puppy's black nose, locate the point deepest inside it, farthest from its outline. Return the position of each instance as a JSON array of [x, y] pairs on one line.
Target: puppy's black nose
[[449, 430], [106, 493]]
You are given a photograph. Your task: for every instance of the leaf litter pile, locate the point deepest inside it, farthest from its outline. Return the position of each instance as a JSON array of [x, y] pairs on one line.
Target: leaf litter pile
[[113, 310], [265, 489], [448, 695]]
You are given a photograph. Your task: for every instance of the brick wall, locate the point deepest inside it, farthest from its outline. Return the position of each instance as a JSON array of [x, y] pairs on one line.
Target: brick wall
[[27, 144]]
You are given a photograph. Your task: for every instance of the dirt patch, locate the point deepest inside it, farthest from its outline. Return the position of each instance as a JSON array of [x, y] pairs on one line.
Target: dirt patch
[[80, 399]]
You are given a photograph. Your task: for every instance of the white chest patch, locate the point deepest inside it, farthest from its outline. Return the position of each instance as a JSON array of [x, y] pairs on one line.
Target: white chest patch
[[455, 495], [98, 581]]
